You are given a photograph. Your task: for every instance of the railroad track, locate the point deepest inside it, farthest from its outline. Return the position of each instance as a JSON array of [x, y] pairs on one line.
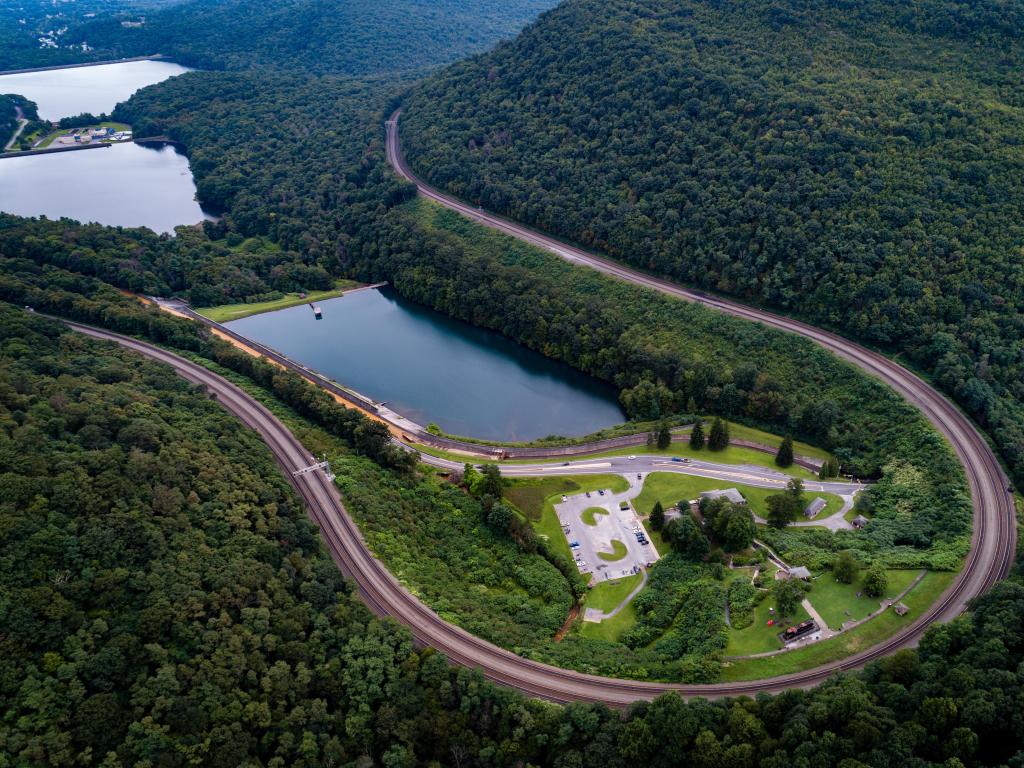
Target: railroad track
[[993, 538], [991, 553]]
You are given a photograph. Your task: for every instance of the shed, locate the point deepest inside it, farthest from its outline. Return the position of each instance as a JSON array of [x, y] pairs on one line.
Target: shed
[[731, 494], [859, 521], [672, 513], [799, 572], [901, 609], [814, 507]]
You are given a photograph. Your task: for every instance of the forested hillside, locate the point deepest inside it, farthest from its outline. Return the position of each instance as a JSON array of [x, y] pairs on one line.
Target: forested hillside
[[857, 164], [155, 612], [353, 37]]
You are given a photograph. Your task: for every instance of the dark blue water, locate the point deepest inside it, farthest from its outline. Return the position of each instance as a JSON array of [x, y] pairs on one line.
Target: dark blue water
[[431, 368]]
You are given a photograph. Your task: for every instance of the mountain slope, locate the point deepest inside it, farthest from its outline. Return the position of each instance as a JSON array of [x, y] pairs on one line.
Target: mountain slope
[[353, 37], [855, 163]]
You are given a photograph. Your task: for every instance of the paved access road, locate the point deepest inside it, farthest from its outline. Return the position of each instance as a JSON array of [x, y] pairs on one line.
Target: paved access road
[[994, 534]]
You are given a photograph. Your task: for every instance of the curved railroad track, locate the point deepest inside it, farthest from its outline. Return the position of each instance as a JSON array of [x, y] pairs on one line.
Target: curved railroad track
[[990, 557], [994, 532]]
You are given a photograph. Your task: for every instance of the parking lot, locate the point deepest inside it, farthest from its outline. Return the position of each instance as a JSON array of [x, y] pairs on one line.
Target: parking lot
[[616, 524]]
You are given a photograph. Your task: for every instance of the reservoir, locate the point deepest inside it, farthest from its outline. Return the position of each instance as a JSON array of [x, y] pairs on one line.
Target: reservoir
[[431, 368], [68, 92], [128, 185]]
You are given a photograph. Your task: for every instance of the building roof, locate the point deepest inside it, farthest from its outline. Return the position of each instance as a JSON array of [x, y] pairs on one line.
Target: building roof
[[815, 507], [731, 494], [859, 521], [799, 572], [901, 609]]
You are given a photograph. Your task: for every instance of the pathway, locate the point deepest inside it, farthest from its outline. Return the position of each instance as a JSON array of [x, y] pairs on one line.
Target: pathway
[[595, 615], [823, 628], [22, 122]]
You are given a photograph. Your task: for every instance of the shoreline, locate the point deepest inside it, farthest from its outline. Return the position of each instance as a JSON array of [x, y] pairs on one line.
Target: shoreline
[[153, 57]]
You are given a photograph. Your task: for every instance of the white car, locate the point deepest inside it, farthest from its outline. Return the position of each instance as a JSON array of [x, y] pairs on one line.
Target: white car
[[565, 498], [631, 457]]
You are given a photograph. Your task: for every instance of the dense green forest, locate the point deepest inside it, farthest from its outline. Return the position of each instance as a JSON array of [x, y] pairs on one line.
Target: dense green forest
[[854, 163], [155, 612], [352, 37]]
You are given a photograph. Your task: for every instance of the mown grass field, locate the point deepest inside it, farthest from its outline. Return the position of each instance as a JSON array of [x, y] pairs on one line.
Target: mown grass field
[[228, 312], [671, 487], [858, 639], [838, 603]]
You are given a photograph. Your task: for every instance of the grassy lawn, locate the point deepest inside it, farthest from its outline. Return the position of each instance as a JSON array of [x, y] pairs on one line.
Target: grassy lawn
[[589, 515], [862, 637], [734, 454], [741, 432], [670, 487], [838, 603], [608, 594], [535, 498], [759, 637], [227, 312], [618, 552], [610, 629]]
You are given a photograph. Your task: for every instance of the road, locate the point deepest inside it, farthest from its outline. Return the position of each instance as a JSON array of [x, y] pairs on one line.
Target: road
[[385, 596], [22, 122], [994, 532]]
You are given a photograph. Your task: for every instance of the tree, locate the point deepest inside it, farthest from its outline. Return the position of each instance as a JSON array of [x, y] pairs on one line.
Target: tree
[[657, 518], [686, 537], [783, 509], [876, 581], [788, 595], [697, 435], [784, 457], [795, 489], [829, 468], [845, 567], [664, 436], [718, 440]]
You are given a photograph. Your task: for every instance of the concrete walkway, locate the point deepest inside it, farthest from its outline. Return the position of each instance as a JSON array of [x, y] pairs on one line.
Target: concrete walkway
[[823, 628]]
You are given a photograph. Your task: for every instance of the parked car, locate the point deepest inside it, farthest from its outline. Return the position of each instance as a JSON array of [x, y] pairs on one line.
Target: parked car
[[565, 498], [574, 544], [600, 493]]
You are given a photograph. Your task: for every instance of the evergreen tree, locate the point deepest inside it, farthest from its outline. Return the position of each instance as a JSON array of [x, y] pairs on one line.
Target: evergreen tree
[[664, 436], [718, 440], [657, 518], [697, 435], [784, 458], [875, 580], [829, 468]]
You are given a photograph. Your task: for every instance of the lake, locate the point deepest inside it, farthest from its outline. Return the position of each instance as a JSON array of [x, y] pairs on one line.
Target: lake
[[430, 368], [128, 185], [72, 91]]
